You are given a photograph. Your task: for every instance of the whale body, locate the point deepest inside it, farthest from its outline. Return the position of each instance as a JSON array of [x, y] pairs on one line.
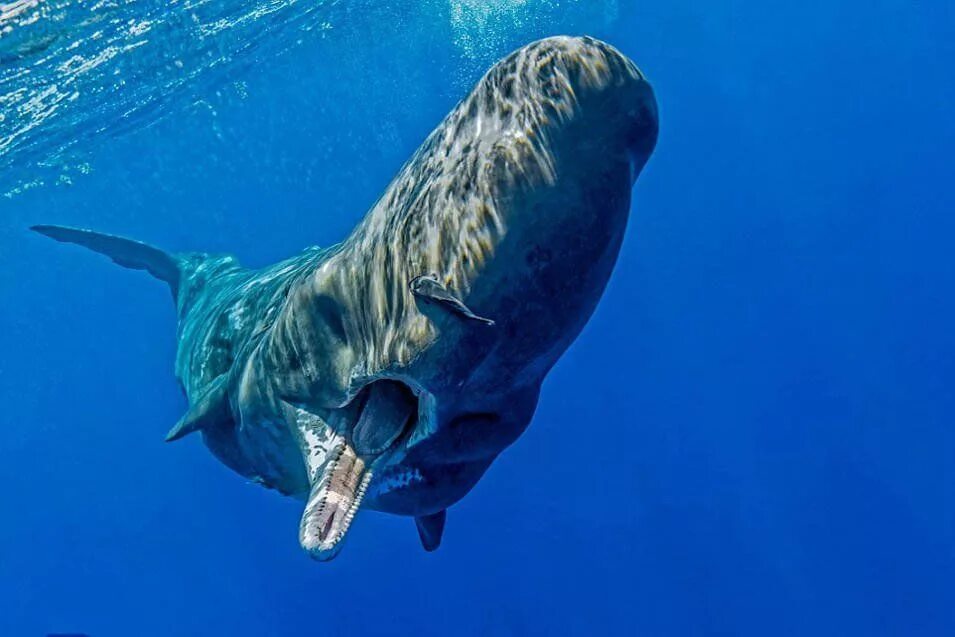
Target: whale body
[[389, 371]]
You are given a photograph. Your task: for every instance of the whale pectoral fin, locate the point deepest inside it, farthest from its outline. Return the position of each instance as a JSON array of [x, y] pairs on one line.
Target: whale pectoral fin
[[211, 410], [430, 529], [430, 290]]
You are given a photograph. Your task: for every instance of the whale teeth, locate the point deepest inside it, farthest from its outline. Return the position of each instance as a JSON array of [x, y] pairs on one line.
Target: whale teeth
[[338, 491]]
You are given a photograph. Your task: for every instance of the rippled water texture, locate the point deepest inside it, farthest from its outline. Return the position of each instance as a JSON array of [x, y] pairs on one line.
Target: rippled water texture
[[73, 70]]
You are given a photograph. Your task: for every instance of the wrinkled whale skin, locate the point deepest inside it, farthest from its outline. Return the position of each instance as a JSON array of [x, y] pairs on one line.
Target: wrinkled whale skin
[[330, 377]]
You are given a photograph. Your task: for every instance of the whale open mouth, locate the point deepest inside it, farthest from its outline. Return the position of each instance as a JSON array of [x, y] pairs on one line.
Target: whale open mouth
[[381, 417]]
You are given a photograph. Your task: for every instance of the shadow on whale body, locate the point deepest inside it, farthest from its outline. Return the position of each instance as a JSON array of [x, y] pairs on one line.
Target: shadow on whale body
[[389, 371]]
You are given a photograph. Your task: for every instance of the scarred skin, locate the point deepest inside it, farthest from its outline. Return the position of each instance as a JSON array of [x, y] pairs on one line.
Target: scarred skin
[[389, 371]]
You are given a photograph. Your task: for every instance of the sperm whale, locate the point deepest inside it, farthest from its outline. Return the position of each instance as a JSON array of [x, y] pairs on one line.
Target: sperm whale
[[389, 371]]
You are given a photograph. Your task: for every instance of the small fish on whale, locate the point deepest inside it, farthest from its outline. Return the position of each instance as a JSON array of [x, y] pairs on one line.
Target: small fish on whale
[[389, 371]]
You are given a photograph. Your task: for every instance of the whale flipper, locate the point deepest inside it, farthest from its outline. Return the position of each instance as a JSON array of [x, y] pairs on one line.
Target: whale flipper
[[430, 529], [427, 288], [125, 252], [212, 410]]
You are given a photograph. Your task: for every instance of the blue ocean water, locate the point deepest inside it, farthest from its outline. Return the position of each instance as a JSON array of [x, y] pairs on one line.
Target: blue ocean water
[[753, 435]]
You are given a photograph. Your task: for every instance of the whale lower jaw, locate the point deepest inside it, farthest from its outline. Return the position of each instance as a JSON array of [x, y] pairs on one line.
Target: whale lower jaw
[[344, 449], [333, 503]]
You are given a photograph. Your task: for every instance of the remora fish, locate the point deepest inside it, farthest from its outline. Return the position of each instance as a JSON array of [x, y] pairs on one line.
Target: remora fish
[[389, 371]]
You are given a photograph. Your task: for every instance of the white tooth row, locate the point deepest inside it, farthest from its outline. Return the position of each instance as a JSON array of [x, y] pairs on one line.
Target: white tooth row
[[353, 509], [338, 452]]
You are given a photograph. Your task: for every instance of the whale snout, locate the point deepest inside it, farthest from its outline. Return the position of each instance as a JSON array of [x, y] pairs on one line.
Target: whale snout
[[569, 124], [602, 102]]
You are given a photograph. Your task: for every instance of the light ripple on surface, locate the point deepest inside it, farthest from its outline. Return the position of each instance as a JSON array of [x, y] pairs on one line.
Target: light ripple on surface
[[73, 70]]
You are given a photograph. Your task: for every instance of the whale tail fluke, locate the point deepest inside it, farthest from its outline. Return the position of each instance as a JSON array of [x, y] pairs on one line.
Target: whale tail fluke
[[124, 252]]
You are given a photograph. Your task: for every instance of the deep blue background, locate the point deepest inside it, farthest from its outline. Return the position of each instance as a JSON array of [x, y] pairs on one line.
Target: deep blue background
[[753, 436]]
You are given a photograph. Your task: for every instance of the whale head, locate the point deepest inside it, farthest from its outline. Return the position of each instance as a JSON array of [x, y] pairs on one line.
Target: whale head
[[413, 355]]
